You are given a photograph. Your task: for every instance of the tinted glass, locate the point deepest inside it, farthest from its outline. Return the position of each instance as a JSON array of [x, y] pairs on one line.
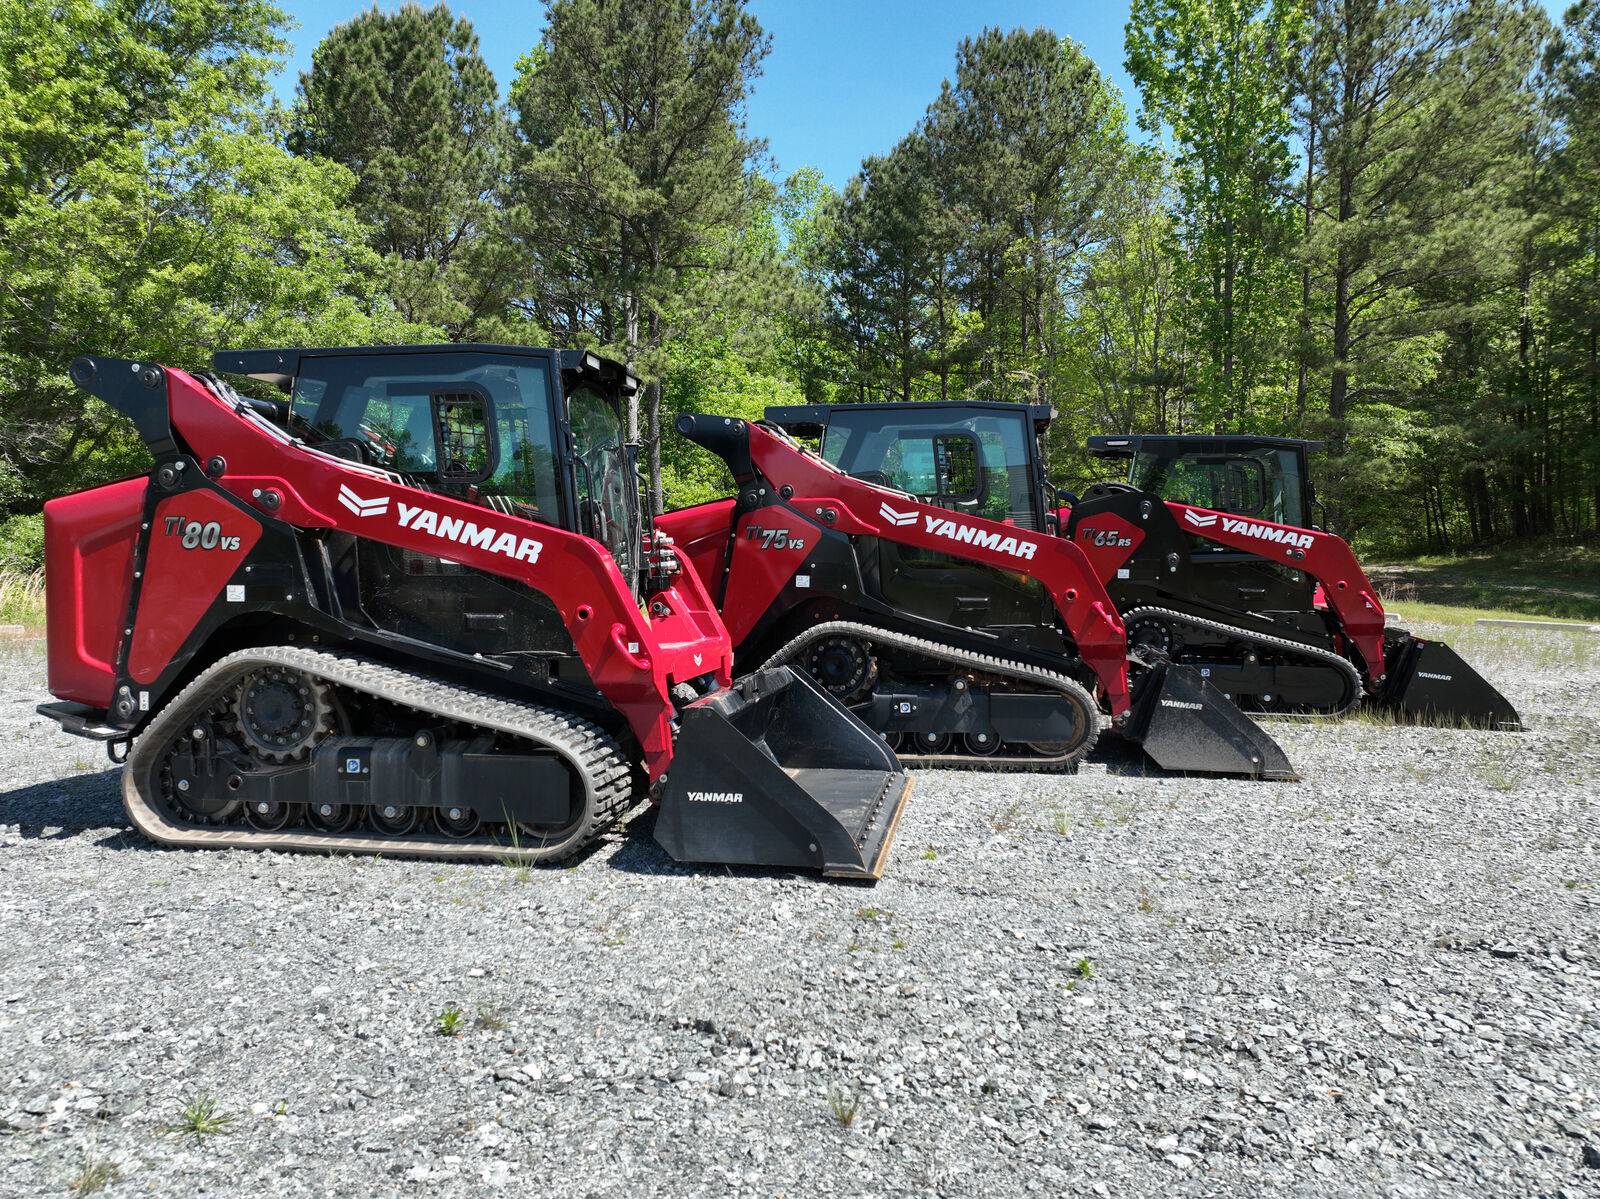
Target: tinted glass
[[967, 460], [388, 405], [603, 477]]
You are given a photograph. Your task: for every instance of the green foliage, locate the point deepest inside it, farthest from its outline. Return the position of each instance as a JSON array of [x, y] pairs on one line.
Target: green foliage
[[22, 545], [450, 1021], [147, 211], [405, 101], [201, 1116], [1214, 74], [636, 182]]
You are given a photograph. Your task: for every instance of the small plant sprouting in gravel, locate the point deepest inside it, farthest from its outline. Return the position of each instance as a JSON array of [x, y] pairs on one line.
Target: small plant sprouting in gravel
[[449, 1021], [95, 1173], [1061, 822], [201, 1116], [490, 1016], [928, 854], [844, 1103], [1084, 968], [1146, 903]]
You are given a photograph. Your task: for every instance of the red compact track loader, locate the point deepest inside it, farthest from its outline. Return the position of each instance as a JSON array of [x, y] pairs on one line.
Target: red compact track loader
[[928, 596], [1209, 550], [412, 609], [1208, 553]]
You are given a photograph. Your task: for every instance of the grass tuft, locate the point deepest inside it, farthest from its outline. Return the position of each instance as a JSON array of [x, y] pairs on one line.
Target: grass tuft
[[95, 1173], [22, 599], [201, 1116], [450, 1021], [845, 1105]]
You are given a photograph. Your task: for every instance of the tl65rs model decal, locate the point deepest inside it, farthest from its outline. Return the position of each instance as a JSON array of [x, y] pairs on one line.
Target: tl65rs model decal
[[197, 536]]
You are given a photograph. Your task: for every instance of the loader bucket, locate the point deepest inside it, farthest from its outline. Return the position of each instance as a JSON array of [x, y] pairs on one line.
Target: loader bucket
[[1428, 683], [1185, 724], [773, 772]]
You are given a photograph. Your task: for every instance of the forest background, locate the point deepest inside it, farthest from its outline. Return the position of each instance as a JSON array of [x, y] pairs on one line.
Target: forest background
[[1371, 222]]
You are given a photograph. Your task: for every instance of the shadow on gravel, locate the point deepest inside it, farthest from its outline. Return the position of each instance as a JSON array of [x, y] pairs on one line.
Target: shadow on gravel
[[639, 854], [66, 806]]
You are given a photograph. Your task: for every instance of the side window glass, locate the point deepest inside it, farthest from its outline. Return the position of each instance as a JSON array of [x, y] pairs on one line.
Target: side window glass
[[461, 433]]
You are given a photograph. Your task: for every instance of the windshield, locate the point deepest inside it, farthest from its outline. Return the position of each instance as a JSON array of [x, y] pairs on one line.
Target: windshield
[[1262, 482], [964, 459], [607, 509], [425, 414]]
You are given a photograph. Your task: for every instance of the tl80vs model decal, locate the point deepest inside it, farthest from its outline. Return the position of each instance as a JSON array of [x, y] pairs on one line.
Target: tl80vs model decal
[[197, 536], [774, 539]]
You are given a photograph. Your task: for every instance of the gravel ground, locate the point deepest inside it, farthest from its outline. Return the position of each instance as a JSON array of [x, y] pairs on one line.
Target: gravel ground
[[1380, 981]]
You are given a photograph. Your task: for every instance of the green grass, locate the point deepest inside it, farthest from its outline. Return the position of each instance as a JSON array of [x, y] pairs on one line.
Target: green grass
[[1551, 581], [201, 1116], [22, 600], [94, 1174], [450, 1021]]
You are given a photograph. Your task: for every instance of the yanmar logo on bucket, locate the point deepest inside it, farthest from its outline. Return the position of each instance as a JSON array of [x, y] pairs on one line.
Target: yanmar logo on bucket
[[1183, 703], [716, 796]]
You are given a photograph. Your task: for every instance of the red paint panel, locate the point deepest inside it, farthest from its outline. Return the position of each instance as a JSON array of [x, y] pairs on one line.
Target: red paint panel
[[770, 547], [1107, 541], [197, 541], [1326, 558], [701, 536], [317, 491], [89, 541]]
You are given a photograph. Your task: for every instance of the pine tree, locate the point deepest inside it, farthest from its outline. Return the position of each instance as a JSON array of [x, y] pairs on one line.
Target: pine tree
[[405, 100], [636, 176]]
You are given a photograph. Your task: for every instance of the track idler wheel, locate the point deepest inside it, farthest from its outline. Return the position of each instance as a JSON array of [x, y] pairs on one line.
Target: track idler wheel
[[457, 821], [333, 817], [981, 745], [394, 820]]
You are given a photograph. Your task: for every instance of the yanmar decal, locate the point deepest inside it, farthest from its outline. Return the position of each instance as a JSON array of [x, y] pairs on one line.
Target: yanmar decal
[[465, 532], [446, 528], [898, 519], [360, 506], [972, 535], [1247, 528]]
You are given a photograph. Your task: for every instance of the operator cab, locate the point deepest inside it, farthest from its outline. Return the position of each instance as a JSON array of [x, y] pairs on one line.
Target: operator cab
[[530, 433], [533, 433], [1263, 477], [973, 458]]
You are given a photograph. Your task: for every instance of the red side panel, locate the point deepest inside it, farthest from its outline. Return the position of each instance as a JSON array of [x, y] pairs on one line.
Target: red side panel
[[1107, 541], [197, 541], [89, 541], [700, 535], [770, 548]]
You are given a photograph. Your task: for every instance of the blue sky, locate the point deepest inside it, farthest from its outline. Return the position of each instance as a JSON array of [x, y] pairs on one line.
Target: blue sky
[[843, 80]]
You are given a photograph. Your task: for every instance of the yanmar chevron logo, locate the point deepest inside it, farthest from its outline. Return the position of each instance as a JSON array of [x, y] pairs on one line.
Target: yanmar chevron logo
[[1198, 521], [360, 506], [453, 529], [899, 519]]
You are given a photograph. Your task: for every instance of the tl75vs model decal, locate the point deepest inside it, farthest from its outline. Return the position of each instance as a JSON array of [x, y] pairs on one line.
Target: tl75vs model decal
[[774, 539]]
